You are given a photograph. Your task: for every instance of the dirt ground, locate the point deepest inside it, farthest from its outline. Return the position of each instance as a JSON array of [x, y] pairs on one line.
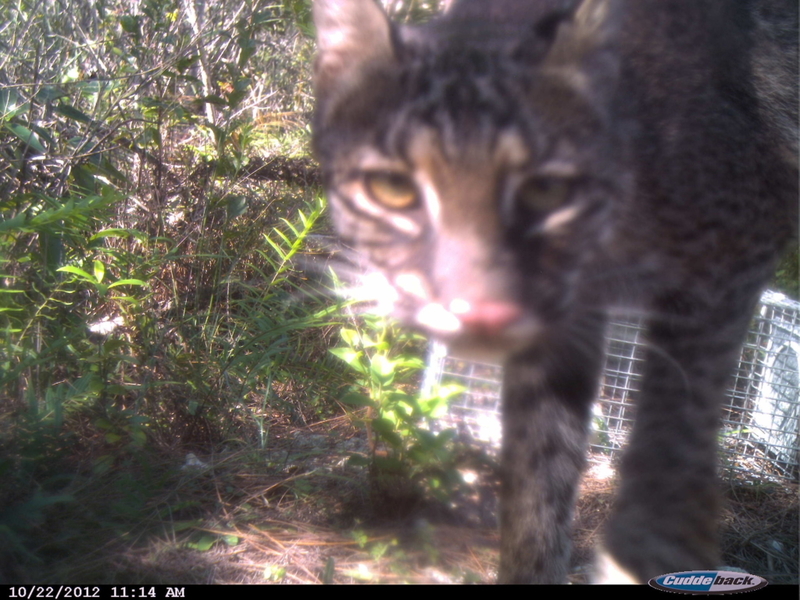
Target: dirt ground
[[311, 518]]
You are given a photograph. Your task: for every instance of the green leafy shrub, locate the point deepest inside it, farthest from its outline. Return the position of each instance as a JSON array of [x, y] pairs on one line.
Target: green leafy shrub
[[150, 296], [398, 419]]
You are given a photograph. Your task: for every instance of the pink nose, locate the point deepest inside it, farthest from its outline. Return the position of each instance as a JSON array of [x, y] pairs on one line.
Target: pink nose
[[490, 317]]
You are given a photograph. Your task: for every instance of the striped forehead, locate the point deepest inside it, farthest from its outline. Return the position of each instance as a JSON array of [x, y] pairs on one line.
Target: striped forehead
[[431, 152]]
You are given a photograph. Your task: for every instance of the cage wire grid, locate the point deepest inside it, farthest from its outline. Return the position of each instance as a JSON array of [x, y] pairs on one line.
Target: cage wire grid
[[760, 432]]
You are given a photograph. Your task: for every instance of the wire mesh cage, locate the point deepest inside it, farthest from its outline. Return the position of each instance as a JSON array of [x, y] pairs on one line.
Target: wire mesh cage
[[761, 418], [760, 435]]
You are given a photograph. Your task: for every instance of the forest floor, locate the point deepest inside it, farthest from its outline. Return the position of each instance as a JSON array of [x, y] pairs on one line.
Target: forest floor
[[298, 513]]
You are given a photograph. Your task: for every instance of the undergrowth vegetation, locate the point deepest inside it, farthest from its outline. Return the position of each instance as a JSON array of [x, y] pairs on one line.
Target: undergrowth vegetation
[[402, 446], [162, 278]]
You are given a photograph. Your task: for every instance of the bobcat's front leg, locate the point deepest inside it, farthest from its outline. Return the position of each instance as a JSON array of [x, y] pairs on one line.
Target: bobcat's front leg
[[665, 519], [547, 397]]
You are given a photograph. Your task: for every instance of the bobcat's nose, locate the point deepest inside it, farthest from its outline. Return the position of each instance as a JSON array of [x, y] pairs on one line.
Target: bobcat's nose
[[485, 319], [488, 318]]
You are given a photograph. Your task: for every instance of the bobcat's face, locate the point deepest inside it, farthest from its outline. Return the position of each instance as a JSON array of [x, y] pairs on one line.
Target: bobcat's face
[[482, 190]]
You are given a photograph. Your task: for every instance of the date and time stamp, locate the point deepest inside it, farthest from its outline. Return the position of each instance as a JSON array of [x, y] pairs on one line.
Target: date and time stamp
[[100, 592]]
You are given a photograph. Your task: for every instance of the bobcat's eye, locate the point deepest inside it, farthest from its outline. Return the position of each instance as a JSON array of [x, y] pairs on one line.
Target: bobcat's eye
[[544, 194], [392, 190]]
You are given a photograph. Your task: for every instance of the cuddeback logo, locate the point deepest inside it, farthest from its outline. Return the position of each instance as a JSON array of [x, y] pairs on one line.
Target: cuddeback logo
[[708, 582]]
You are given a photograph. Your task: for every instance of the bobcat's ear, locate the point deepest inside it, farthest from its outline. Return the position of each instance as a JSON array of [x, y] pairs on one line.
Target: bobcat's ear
[[584, 52], [353, 37]]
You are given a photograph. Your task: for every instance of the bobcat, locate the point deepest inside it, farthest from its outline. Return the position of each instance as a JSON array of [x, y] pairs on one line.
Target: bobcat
[[516, 169]]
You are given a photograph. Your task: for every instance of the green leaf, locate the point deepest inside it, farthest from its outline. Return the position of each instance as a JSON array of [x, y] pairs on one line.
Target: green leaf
[[117, 232], [382, 369], [77, 271], [274, 573], [138, 437], [11, 104], [234, 98], [387, 431], [330, 567], [236, 206], [28, 137], [43, 133], [15, 222], [205, 543], [248, 47], [356, 399], [99, 270], [73, 113], [120, 282], [84, 178], [350, 337], [130, 24], [48, 93], [350, 356]]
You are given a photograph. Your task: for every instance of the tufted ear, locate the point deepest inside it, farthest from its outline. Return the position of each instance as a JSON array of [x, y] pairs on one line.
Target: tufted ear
[[353, 37], [584, 52]]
